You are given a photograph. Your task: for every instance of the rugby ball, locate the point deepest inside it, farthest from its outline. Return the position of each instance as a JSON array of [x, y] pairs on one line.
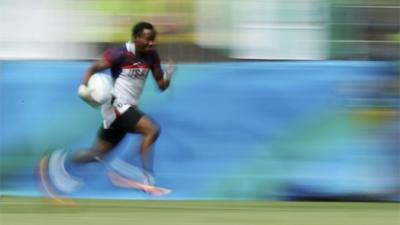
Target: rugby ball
[[100, 86]]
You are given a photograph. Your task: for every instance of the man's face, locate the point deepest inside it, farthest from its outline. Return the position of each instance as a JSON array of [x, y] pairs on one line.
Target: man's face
[[145, 41]]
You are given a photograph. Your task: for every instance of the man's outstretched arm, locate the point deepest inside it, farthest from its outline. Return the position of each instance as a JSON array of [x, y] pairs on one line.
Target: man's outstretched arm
[[163, 77]]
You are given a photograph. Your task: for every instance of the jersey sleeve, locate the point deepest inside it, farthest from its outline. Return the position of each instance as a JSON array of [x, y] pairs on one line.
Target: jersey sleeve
[[155, 61], [113, 56]]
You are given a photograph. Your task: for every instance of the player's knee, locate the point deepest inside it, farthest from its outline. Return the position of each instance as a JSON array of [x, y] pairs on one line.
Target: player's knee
[[157, 133], [154, 132]]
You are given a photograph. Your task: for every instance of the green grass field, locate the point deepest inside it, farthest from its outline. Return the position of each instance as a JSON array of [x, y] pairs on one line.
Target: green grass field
[[29, 211]]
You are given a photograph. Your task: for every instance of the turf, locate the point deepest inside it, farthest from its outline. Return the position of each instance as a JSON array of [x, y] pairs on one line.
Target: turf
[[18, 211]]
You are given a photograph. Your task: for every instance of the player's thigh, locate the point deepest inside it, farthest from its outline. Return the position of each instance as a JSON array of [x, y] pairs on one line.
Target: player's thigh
[[146, 126], [107, 139], [135, 121]]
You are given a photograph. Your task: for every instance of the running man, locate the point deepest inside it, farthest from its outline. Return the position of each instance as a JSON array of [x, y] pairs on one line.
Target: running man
[[129, 64]]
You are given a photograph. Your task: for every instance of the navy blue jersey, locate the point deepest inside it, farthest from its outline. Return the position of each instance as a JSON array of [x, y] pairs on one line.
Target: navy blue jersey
[[120, 57], [129, 71]]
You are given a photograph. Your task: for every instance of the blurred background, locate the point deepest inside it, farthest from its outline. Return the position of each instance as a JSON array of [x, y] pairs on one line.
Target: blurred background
[[277, 99], [204, 30]]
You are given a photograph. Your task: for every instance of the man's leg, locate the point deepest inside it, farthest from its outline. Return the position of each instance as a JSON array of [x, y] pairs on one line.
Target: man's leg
[[100, 148], [58, 170], [106, 140], [150, 132]]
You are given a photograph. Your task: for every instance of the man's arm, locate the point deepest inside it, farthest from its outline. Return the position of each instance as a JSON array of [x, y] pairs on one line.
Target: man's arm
[[98, 66], [163, 77], [83, 91]]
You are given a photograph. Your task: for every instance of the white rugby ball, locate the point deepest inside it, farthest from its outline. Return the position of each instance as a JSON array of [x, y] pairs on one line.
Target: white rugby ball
[[100, 86]]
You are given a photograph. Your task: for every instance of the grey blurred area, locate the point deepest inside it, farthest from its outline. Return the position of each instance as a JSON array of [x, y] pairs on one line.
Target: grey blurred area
[[365, 31], [204, 30]]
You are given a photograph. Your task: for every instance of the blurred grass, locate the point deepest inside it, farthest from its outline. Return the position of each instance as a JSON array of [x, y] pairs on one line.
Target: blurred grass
[[18, 211]]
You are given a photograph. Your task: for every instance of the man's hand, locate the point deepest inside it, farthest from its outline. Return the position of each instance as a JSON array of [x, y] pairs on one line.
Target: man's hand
[[84, 94], [169, 70]]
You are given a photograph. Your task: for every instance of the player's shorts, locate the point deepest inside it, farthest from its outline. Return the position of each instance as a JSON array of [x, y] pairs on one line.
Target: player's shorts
[[121, 125]]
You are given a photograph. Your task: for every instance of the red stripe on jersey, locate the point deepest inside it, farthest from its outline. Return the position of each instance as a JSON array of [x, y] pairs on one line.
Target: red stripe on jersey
[[134, 66]]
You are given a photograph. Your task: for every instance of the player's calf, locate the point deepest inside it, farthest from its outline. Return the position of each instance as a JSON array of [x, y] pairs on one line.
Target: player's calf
[[87, 156]]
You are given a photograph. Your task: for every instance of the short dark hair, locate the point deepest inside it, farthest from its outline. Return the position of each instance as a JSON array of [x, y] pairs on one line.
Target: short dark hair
[[139, 27]]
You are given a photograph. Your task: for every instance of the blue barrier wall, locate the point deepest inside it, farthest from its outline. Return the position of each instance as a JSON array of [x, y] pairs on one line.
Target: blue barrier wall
[[257, 130]]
